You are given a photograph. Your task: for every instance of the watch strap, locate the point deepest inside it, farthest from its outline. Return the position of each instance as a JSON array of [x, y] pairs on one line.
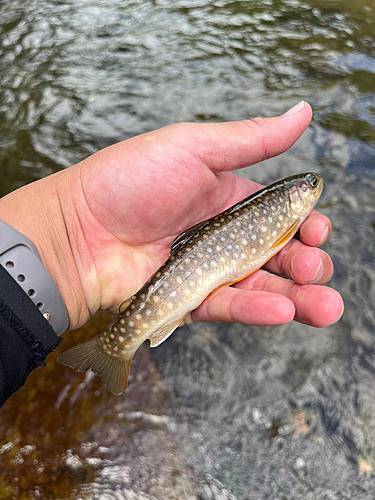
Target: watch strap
[[21, 259]]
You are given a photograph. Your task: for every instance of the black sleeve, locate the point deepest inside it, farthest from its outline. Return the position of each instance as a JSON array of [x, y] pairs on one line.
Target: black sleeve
[[25, 336]]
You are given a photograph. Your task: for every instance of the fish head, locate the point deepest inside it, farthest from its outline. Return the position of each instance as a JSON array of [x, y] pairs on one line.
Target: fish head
[[303, 192]]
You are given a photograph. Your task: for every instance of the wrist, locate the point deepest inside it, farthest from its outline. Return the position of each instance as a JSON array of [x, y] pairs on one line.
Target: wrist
[[34, 211]]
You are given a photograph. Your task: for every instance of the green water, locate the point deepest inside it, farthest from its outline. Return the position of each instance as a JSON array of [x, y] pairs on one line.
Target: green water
[[217, 412]]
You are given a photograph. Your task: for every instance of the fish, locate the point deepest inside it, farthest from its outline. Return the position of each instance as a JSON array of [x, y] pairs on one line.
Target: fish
[[214, 253]]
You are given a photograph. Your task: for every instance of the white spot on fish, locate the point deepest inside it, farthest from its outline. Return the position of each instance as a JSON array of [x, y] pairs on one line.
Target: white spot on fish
[[244, 242], [156, 298], [274, 233], [243, 256], [263, 229], [178, 280], [261, 241], [112, 336], [253, 250], [170, 305], [222, 259], [158, 274], [127, 313], [138, 316], [253, 237], [131, 324], [121, 339], [122, 330], [233, 262], [278, 225], [148, 312], [173, 294]]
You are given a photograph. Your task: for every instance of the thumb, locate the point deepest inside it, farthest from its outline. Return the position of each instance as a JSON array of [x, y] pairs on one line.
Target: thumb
[[234, 145]]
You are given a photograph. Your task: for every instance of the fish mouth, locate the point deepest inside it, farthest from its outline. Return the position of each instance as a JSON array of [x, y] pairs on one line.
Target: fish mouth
[[319, 187]]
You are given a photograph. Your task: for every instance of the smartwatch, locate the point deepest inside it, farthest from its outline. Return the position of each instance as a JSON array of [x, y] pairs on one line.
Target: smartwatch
[[21, 259]]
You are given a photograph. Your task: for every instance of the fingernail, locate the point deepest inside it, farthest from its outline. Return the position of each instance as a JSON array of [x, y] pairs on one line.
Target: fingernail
[[295, 109], [319, 272], [324, 238]]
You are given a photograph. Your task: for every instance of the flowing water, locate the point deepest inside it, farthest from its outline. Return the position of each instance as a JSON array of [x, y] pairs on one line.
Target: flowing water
[[218, 411]]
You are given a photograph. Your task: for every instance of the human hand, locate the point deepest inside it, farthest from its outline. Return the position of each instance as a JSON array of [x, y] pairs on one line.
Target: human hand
[[106, 224]]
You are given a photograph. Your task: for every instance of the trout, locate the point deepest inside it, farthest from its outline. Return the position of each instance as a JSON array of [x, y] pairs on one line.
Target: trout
[[214, 253]]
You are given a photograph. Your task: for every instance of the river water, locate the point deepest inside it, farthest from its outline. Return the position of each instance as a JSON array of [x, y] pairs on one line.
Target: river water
[[218, 411]]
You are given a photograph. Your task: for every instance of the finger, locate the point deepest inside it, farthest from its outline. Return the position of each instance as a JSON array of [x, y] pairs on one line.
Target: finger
[[316, 230], [233, 305], [314, 305], [302, 264], [235, 145]]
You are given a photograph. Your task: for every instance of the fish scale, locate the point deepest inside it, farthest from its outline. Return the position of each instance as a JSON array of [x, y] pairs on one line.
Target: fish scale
[[214, 253]]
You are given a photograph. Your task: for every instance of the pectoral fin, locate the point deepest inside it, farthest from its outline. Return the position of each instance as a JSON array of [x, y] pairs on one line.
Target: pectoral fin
[[286, 236], [163, 333]]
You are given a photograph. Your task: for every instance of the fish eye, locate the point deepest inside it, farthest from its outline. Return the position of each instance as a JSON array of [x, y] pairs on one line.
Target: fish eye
[[312, 180]]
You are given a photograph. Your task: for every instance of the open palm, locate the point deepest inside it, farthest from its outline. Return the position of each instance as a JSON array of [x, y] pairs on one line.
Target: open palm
[[130, 200]]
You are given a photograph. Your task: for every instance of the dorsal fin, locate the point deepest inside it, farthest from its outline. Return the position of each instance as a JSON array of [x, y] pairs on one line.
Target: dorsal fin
[[187, 235]]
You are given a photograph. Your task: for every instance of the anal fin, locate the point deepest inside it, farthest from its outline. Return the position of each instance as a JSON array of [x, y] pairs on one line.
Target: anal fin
[[163, 333]]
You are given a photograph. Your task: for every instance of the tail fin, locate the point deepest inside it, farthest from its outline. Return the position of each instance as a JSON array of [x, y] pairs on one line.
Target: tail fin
[[88, 356]]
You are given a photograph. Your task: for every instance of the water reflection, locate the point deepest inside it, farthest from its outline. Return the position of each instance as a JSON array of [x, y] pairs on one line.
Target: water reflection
[[218, 411]]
